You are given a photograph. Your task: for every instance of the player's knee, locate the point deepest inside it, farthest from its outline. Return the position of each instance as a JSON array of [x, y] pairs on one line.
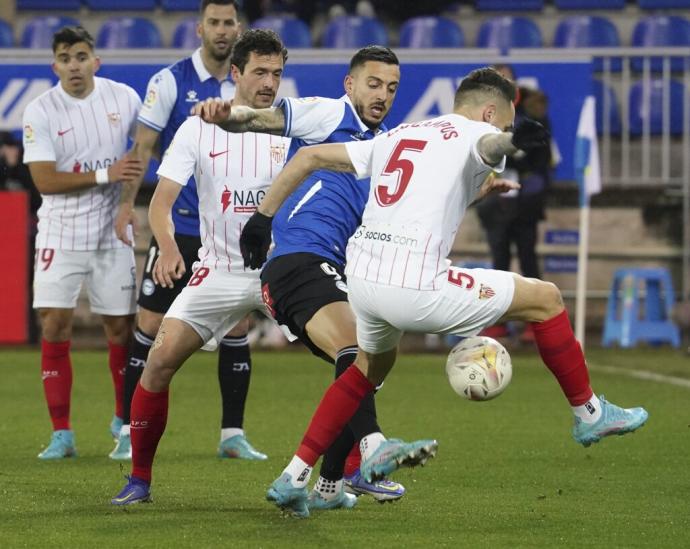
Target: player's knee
[[549, 299], [55, 327], [159, 369]]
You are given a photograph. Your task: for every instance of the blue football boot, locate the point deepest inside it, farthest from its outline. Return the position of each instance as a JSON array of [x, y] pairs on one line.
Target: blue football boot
[[316, 502], [393, 454], [61, 446], [239, 447], [613, 421], [287, 497], [135, 491], [381, 490]]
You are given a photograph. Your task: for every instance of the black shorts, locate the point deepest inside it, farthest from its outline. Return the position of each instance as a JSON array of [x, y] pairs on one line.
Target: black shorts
[[156, 298], [296, 286]]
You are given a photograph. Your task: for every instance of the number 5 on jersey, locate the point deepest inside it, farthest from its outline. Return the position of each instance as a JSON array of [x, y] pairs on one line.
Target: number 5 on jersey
[[397, 173]]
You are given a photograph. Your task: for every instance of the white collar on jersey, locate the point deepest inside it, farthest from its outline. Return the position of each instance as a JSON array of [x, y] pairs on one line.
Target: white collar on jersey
[[362, 125], [68, 97], [201, 70]]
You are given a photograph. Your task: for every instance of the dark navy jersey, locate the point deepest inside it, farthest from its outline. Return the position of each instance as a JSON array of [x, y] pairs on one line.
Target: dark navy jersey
[[170, 95], [325, 210]]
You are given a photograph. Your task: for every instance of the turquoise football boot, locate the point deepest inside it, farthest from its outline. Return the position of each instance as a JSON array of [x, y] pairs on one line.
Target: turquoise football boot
[[115, 426], [239, 447], [123, 449], [316, 502], [393, 454], [614, 420], [289, 498], [61, 446]]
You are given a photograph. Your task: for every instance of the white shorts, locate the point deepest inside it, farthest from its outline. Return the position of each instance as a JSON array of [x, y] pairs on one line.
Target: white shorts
[[110, 277], [467, 301], [214, 301]]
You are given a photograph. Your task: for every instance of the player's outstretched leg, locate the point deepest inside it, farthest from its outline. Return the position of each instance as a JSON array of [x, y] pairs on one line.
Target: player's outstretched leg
[[61, 446], [288, 497], [614, 420], [135, 491], [392, 454]]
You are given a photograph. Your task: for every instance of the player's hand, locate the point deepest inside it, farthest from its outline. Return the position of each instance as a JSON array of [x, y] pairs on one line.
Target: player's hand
[[213, 110], [168, 269], [255, 240], [530, 134], [126, 169], [494, 185], [125, 217]]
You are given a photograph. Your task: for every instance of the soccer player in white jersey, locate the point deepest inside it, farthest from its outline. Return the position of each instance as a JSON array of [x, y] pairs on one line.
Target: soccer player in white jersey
[[424, 175], [169, 95], [75, 140], [232, 172]]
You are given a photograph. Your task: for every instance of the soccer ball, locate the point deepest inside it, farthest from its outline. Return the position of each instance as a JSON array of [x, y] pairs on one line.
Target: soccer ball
[[479, 368]]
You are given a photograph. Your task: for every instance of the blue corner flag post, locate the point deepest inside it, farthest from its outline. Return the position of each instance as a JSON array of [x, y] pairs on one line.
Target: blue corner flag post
[[589, 181]]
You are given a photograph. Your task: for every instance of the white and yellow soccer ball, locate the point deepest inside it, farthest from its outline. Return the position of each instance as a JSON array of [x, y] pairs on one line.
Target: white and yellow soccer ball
[[479, 368]]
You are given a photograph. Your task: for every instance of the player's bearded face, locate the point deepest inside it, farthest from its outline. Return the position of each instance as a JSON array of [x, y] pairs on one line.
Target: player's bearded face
[[372, 89], [218, 30], [258, 85], [76, 66]]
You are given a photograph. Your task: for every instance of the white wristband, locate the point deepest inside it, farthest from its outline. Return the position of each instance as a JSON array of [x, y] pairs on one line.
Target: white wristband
[[102, 176]]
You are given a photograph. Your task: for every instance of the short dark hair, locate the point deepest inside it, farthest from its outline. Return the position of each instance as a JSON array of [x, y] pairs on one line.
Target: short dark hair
[[205, 3], [259, 41], [71, 36], [485, 81], [373, 53]]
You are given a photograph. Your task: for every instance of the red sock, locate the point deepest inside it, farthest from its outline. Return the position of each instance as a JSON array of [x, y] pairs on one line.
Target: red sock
[[117, 360], [353, 461], [563, 355], [56, 371], [338, 405], [148, 418]]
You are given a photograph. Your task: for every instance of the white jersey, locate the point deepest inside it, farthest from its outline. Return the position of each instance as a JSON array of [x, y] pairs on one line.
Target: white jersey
[[232, 173], [80, 135], [423, 177]]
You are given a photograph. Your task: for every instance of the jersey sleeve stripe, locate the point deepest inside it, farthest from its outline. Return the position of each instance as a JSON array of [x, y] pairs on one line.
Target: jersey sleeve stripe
[[285, 105], [149, 124]]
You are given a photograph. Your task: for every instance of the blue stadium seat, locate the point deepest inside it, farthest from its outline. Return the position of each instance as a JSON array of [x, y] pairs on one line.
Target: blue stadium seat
[[587, 31], [184, 35], [351, 31], [180, 5], [56, 5], [661, 31], [292, 31], [128, 32], [431, 32], [509, 5], [601, 90], [509, 32], [38, 32], [650, 105], [120, 5], [663, 4], [6, 37], [590, 4]]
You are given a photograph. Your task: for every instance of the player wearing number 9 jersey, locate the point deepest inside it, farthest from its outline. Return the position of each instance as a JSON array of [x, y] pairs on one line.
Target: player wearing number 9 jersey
[[423, 177], [75, 140]]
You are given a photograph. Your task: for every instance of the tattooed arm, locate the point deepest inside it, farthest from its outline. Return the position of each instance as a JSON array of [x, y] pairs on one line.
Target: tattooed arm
[[240, 119]]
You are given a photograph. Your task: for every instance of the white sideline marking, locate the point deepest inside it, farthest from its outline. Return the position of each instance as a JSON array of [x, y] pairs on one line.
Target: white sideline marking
[[643, 374]]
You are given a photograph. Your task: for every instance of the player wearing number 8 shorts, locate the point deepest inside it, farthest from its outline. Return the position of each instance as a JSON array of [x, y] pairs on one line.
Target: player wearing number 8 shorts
[[232, 172], [75, 139]]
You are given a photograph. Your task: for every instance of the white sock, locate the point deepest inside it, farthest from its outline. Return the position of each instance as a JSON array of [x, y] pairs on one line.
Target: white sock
[[369, 444], [230, 432], [124, 430], [329, 489], [300, 472], [590, 411]]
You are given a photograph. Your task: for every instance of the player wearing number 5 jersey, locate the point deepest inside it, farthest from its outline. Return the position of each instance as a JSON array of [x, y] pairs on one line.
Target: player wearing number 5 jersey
[[232, 172], [75, 139], [423, 177]]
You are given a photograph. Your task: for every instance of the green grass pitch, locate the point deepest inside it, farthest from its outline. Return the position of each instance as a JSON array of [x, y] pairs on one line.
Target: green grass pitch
[[507, 473]]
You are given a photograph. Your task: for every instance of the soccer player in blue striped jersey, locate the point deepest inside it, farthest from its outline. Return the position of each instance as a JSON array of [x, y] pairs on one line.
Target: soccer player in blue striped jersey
[[303, 282]]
